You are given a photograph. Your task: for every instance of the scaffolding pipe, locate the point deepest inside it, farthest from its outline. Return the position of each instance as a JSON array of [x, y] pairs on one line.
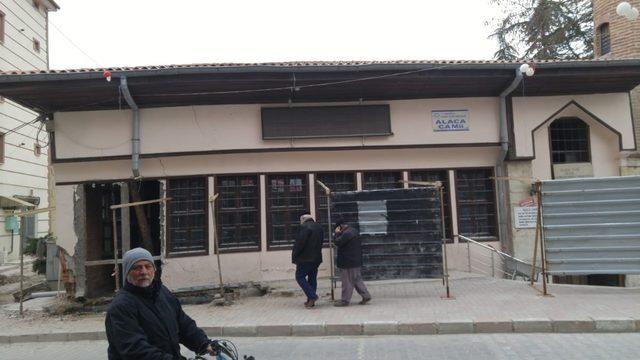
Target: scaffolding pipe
[[216, 246], [444, 241], [327, 192]]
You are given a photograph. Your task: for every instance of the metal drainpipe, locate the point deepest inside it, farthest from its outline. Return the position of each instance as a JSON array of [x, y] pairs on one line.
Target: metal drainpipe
[[503, 209], [135, 138]]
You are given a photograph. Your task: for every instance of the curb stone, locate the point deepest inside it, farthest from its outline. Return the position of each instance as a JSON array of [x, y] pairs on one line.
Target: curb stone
[[273, 330], [455, 327], [212, 331], [493, 327], [308, 330], [614, 325], [380, 328], [344, 329], [242, 330], [573, 326], [417, 329], [533, 325]]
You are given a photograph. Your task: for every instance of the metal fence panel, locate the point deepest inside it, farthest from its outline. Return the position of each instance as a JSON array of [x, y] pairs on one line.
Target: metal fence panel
[[592, 225], [400, 229]]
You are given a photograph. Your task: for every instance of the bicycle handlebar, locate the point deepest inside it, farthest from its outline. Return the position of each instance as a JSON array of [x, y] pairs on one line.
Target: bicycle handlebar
[[226, 348]]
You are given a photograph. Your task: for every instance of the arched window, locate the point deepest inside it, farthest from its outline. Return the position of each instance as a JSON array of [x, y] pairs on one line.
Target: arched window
[[605, 39], [569, 141]]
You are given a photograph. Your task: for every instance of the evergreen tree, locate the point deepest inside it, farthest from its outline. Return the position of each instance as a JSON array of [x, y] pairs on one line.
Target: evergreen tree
[[543, 29]]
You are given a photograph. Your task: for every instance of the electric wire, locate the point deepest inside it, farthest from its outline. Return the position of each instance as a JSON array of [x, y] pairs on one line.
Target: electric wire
[[15, 129], [300, 87], [74, 44]]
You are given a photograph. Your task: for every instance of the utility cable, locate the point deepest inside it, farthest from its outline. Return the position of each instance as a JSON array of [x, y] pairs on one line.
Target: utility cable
[[15, 129]]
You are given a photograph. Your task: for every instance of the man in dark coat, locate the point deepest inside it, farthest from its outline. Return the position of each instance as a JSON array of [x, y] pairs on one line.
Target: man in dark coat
[[307, 255], [349, 261], [145, 320]]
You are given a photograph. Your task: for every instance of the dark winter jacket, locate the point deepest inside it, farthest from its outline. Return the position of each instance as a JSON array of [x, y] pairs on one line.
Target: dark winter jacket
[[308, 246], [349, 249], [148, 323]]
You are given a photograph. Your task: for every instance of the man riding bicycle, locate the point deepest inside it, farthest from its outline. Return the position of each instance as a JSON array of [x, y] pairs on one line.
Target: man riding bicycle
[[145, 320]]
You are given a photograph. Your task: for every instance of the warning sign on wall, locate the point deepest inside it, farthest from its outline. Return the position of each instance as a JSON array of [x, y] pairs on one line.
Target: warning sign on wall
[[525, 217]]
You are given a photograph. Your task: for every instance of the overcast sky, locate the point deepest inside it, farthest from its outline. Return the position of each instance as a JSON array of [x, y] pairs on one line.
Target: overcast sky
[[155, 32]]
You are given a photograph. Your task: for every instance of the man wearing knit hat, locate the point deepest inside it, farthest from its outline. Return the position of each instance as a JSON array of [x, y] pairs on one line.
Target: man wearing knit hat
[[307, 255], [145, 320]]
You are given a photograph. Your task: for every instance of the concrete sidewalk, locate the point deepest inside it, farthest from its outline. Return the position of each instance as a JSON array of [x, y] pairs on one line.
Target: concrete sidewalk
[[480, 305]]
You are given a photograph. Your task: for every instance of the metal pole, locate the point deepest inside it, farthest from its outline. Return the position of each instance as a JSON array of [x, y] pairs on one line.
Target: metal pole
[[469, 254], [543, 258], [215, 243], [21, 253], [115, 249], [493, 267], [327, 192], [329, 234], [444, 242], [535, 243]]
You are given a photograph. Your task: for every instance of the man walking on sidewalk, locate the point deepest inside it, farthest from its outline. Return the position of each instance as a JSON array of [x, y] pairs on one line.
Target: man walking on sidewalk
[[307, 255], [350, 263]]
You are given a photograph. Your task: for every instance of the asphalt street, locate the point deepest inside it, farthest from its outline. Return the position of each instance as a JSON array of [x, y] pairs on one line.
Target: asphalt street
[[472, 346]]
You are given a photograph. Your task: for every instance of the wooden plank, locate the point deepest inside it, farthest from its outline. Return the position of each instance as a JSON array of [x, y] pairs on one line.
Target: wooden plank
[[138, 203]]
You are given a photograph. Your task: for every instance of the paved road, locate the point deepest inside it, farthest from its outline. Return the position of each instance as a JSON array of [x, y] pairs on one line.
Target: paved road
[[472, 346]]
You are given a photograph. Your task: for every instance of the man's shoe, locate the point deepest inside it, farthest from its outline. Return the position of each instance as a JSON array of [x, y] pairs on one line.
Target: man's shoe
[[309, 304], [364, 301], [340, 303]]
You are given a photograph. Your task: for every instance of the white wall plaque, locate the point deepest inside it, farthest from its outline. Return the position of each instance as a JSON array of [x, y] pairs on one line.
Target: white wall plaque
[[572, 170], [525, 217], [450, 120]]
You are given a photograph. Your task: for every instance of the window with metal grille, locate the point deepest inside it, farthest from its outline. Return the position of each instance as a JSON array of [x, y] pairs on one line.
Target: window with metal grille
[[476, 204], [337, 182], [238, 212], [373, 180], [287, 199], [187, 217], [605, 39], [442, 176], [569, 141]]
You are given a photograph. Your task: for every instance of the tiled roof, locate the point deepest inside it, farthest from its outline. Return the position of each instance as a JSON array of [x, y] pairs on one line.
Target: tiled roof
[[297, 64]]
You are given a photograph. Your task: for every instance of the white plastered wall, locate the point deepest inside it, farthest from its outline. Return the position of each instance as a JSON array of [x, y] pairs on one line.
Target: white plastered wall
[[605, 149], [238, 127], [529, 112], [66, 236]]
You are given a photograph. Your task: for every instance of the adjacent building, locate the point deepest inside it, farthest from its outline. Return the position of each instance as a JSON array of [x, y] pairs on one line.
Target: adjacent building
[[24, 150]]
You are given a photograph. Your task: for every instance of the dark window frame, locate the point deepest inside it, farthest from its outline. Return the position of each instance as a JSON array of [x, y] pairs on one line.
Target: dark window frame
[[170, 253], [400, 185], [586, 152], [3, 20], [219, 212], [270, 245], [2, 147], [319, 192], [447, 198], [319, 122], [494, 202], [604, 37]]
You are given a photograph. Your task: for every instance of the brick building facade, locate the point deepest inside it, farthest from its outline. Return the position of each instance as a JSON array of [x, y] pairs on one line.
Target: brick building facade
[[616, 37]]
